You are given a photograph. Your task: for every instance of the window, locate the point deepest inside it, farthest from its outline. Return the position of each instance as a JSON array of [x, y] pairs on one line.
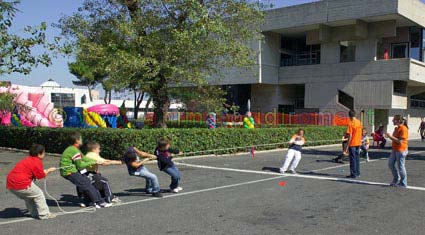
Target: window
[[415, 42], [83, 99], [423, 45], [400, 87], [346, 100], [400, 50], [295, 51], [347, 51], [61, 100]]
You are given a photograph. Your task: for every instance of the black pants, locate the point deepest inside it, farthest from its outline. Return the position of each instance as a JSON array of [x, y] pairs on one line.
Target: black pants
[[84, 184], [101, 184]]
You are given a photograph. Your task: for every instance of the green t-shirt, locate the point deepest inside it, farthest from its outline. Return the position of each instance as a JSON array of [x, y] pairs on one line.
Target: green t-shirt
[[72, 161]]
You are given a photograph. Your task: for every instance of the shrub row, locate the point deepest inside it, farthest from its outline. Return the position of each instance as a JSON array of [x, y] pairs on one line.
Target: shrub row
[[115, 141]]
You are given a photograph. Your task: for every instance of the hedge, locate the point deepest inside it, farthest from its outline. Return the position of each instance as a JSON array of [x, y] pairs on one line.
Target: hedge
[[115, 141]]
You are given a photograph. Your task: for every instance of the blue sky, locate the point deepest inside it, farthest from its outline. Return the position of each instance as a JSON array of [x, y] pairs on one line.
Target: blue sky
[[33, 12]]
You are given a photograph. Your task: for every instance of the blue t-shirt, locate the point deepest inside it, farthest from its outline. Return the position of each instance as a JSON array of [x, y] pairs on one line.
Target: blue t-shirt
[[129, 157]]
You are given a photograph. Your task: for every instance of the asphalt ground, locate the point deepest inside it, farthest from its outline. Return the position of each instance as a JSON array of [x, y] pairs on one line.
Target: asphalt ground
[[238, 195]]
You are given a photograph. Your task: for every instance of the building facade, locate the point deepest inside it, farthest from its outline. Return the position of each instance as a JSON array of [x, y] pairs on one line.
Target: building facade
[[335, 55]]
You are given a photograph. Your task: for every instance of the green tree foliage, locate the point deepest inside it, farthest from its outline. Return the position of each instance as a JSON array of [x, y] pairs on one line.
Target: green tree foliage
[[160, 44], [16, 52]]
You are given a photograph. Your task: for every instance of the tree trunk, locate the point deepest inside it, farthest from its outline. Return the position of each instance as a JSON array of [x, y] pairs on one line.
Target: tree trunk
[[108, 97], [147, 107], [90, 95], [161, 102], [138, 99]]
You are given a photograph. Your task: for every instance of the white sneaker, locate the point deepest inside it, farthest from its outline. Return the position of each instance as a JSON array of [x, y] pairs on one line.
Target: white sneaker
[[176, 190], [103, 205], [115, 200], [81, 204], [48, 216], [292, 172], [180, 188], [282, 171]]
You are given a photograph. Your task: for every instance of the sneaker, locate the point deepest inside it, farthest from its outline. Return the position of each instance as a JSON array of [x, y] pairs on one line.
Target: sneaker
[[392, 184], [48, 216], [367, 159], [282, 172], [291, 172], [176, 190], [401, 186], [81, 204], [116, 200], [157, 194], [103, 205], [180, 188]]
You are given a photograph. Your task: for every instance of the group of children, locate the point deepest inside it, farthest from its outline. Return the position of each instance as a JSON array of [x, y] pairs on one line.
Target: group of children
[[83, 171], [93, 188]]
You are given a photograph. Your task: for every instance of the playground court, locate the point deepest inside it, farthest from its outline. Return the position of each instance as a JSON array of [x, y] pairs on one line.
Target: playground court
[[239, 195]]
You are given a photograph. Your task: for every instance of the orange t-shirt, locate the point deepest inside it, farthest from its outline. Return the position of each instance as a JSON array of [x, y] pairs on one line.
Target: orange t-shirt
[[355, 130], [402, 133]]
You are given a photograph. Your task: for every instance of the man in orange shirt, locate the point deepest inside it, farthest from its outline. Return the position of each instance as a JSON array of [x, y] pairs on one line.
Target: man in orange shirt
[[354, 130], [399, 152]]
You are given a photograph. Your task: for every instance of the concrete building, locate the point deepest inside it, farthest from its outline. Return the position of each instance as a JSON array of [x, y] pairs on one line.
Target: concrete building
[[336, 55]]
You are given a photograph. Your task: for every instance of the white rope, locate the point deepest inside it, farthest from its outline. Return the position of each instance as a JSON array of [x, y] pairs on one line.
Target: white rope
[[90, 209], [251, 146]]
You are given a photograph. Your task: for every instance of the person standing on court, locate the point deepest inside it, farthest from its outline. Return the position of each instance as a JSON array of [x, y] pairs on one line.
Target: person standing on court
[[399, 152], [354, 132], [421, 129]]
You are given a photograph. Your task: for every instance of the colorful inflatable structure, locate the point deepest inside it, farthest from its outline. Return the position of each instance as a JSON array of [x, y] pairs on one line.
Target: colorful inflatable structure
[[36, 109], [102, 115]]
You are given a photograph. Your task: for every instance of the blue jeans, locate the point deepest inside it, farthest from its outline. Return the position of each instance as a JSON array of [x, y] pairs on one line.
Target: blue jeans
[[354, 161], [399, 158], [152, 185], [175, 176]]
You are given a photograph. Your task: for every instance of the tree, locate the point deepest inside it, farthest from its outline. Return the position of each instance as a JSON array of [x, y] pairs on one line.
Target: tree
[[86, 74], [16, 53], [200, 99], [166, 43]]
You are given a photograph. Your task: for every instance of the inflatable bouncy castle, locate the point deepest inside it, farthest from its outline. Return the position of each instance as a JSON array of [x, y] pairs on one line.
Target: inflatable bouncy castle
[[35, 109]]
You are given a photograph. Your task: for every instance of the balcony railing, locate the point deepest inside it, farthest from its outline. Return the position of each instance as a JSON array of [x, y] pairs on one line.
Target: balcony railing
[[416, 103], [302, 59]]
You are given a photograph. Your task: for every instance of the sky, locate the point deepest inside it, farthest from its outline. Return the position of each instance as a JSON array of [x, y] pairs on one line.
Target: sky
[[33, 12]]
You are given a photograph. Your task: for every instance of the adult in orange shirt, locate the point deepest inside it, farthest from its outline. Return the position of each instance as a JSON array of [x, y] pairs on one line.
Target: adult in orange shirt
[[399, 152], [354, 131]]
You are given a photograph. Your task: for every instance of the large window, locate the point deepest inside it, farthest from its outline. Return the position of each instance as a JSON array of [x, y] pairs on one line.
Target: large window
[[346, 100], [295, 51], [347, 51], [415, 34], [61, 100], [400, 87]]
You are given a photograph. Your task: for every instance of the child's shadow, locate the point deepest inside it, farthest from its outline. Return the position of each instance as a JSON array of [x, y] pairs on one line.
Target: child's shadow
[[138, 192], [12, 212], [272, 169], [66, 200]]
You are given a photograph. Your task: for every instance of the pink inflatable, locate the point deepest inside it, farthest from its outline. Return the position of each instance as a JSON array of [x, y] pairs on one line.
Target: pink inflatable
[[5, 118], [39, 110], [105, 109]]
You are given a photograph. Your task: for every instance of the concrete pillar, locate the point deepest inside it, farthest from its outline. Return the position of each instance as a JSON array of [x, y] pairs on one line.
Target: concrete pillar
[[366, 49], [329, 53]]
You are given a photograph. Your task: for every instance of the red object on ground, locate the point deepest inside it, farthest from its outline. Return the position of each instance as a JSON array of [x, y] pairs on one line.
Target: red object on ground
[[252, 152], [282, 183]]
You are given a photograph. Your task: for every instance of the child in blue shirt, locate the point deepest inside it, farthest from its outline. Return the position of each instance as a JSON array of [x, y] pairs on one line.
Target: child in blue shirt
[[163, 153]]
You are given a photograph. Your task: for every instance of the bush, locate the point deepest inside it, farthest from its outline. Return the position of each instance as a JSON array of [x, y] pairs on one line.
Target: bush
[[115, 141]]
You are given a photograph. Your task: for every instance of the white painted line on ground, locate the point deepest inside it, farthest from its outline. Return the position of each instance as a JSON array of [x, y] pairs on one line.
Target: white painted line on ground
[[299, 176], [153, 198]]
